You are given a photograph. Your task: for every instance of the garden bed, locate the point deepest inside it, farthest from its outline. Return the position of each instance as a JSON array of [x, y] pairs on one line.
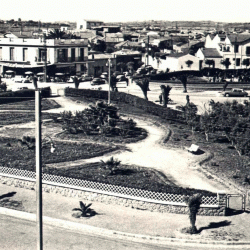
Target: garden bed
[[16, 156], [30, 105], [127, 176], [138, 134], [8, 118]]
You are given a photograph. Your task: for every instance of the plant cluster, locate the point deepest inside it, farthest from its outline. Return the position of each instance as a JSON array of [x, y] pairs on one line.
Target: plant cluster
[[112, 165], [99, 119], [84, 211]]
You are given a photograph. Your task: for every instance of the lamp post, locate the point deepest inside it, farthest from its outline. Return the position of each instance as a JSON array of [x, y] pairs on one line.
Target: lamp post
[[109, 64], [39, 214], [45, 57]]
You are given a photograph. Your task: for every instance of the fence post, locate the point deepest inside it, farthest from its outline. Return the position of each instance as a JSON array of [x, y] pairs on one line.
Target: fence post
[[222, 200]]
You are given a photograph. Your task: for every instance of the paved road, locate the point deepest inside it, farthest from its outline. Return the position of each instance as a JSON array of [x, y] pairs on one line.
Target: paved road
[[17, 234]]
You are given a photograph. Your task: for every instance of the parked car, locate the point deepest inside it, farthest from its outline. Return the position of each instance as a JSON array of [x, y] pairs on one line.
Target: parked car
[[104, 75], [98, 81], [235, 92], [85, 78], [18, 78], [121, 78]]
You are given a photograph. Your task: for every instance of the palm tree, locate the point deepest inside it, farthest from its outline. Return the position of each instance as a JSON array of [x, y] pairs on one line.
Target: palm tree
[[143, 83], [112, 164], [85, 210], [193, 203], [56, 34]]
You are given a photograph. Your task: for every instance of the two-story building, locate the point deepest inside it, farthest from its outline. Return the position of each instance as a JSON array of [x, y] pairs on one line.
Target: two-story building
[[21, 54], [234, 48], [88, 24]]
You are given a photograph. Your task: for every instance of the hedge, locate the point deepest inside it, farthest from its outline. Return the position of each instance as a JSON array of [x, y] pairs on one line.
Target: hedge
[[17, 96], [135, 101]]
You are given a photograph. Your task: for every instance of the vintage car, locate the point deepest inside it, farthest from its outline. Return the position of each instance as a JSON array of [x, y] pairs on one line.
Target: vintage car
[[235, 93]]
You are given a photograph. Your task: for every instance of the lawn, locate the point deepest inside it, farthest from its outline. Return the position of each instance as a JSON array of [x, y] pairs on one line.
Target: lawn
[[8, 118], [29, 105], [17, 156], [127, 176]]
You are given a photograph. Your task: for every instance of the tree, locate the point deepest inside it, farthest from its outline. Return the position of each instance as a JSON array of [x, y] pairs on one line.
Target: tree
[[226, 63], [194, 203], [190, 115], [112, 165], [183, 79], [121, 66], [189, 63], [246, 62], [130, 67], [209, 62], [143, 83], [56, 34], [165, 91], [100, 45]]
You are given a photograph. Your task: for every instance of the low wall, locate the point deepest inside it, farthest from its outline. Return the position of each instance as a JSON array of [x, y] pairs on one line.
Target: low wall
[[123, 200]]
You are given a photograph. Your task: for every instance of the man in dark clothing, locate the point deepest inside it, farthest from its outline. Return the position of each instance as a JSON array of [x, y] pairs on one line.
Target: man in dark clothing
[[35, 81]]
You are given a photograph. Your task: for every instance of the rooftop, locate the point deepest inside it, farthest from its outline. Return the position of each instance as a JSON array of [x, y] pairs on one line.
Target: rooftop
[[211, 53]]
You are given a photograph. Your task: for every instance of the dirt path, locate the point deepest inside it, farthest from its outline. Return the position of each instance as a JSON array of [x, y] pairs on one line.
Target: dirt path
[[178, 165]]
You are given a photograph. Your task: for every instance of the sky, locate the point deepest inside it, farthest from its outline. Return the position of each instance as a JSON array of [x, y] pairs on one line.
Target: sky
[[126, 10]]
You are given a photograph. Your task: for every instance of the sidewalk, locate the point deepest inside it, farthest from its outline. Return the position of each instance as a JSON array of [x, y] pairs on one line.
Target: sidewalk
[[132, 224]]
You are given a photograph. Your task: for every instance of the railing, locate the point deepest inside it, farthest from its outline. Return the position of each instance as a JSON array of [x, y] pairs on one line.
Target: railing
[[98, 187]]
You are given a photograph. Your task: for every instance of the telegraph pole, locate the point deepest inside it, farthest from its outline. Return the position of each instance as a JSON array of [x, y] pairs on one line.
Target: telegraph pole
[[39, 215], [45, 58]]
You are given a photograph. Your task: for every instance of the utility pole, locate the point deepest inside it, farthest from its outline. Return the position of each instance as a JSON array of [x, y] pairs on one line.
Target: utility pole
[[45, 58], [147, 49], [39, 214]]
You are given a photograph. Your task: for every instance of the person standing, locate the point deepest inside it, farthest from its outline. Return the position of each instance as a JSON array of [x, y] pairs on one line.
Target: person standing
[[35, 81]]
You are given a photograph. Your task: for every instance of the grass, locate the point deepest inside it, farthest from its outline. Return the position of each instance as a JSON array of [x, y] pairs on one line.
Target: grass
[[9, 118], [138, 134], [16, 156], [127, 176], [30, 105]]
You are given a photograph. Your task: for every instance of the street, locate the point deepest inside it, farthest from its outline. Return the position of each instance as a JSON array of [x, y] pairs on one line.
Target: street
[[17, 234]]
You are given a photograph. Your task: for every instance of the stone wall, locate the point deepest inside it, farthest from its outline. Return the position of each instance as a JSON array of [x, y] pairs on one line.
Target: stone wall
[[177, 208]]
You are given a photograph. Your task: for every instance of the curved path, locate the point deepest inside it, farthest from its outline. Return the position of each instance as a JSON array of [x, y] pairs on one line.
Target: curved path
[[177, 164]]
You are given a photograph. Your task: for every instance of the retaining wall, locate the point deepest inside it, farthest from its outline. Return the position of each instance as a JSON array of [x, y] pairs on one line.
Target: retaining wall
[[123, 200]]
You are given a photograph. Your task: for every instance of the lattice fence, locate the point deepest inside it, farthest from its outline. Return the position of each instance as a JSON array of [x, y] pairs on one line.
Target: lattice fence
[[96, 186]]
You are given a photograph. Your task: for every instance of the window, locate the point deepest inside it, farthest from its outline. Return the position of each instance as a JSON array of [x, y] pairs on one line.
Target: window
[[42, 55], [237, 61], [73, 55], [236, 48], [62, 55], [81, 57], [25, 54], [248, 50], [12, 54]]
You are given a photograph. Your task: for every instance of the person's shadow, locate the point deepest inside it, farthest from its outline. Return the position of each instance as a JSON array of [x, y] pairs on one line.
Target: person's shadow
[[215, 225], [11, 194]]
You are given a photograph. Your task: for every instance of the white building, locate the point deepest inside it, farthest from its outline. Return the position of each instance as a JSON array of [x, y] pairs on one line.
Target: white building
[[233, 48], [175, 62], [22, 54], [88, 24]]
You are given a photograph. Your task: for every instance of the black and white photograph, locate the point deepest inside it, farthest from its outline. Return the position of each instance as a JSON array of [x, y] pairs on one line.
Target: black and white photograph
[[124, 125]]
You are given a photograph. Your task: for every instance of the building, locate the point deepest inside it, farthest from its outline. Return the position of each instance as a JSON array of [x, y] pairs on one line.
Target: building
[[97, 64], [174, 62], [22, 54], [209, 54], [233, 48], [88, 24]]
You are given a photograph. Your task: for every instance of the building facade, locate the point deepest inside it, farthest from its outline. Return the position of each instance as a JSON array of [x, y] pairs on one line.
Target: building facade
[[60, 55]]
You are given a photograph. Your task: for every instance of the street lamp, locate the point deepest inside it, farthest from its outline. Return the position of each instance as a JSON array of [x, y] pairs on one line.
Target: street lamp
[[109, 64]]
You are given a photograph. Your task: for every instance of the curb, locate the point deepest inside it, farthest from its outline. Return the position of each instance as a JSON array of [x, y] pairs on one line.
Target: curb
[[138, 238]]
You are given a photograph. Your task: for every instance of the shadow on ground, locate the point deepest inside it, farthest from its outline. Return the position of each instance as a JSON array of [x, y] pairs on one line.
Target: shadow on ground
[[11, 194], [213, 225]]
